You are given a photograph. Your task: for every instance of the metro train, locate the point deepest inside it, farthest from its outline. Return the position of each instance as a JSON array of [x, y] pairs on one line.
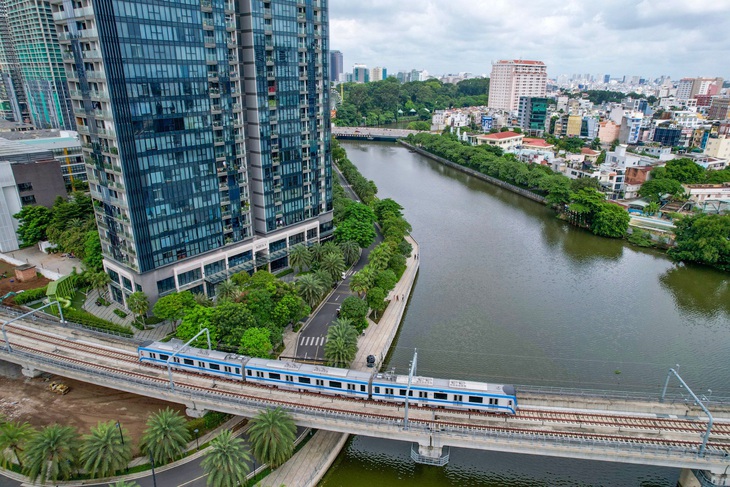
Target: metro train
[[295, 376]]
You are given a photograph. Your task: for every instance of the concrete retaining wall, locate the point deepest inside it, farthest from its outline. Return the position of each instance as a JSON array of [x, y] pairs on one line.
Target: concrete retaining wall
[[477, 174]]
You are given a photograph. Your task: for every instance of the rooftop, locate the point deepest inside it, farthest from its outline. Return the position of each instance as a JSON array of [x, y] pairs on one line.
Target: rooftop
[[536, 143], [502, 135]]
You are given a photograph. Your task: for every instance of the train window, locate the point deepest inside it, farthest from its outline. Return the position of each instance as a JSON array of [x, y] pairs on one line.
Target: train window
[[492, 401], [476, 399], [201, 364], [402, 392], [362, 388], [320, 382], [305, 380], [214, 367], [187, 361], [350, 387], [274, 375], [176, 360], [153, 355], [440, 395], [259, 373], [336, 384], [249, 373], [238, 370], [290, 378], [509, 403], [164, 357], [458, 398], [377, 390], [389, 390], [227, 368], [423, 394]]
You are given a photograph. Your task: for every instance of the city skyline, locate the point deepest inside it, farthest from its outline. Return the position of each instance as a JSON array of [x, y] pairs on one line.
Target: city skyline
[[651, 39]]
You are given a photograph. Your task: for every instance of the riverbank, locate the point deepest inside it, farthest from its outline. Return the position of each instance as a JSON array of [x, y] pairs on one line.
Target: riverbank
[[310, 464]]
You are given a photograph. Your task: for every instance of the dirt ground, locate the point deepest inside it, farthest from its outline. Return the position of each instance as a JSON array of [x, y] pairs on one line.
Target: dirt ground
[[83, 407], [6, 286]]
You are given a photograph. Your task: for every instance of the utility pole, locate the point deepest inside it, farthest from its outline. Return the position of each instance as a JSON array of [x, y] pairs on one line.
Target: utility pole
[[411, 373]]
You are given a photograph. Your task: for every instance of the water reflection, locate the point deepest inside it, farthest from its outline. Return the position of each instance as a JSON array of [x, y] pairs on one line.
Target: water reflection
[[698, 291]]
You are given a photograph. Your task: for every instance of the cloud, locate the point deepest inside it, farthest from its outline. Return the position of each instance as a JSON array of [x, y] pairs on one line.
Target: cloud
[[646, 37]]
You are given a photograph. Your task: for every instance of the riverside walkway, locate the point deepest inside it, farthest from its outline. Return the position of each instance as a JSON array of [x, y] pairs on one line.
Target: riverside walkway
[[307, 467], [371, 133]]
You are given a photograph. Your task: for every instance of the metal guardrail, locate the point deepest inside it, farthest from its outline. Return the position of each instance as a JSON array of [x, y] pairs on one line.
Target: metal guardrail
[[427, 428], [424, 460], [609, 394]]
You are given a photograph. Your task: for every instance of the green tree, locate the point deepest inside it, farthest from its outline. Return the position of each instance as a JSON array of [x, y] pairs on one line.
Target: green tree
[[361, 281], [103, 453], [418, 125], [580, 183], [355, 310], [255, 342], [350, 251], [310, 289], [173, 306], [386, 207], [557, 188], [51, 454], [34, 221], [685, 171], [99, 281], [655, 189], [166, 436], [231, 320], [325, 278], [139, 304], [611, 220], [386, 280], [13, 438], [376, 299], [704, 239], [226, 461], [300, 257], [359, 231], [92, 251], [333, 264], [379, 257], [341, 345], [197, 318], [651, 208], [227, 290], [272, 435]]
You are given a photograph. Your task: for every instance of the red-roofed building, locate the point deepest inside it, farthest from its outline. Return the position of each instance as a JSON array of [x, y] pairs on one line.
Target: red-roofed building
[[507, 141], [590, 154], [537, 144]]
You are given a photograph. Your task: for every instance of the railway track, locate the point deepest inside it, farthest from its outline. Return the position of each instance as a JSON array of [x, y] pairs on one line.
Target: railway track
[[637, 430]]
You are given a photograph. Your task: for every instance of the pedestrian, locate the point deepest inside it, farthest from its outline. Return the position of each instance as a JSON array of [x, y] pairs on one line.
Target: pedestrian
[[404, 297]]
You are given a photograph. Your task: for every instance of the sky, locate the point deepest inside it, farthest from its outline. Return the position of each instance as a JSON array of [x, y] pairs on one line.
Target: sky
[[679, 38]]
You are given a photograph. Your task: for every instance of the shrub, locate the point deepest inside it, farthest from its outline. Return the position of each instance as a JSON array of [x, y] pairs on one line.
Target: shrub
[[30, 295], [87, 319], [641, 238], [120, 313]]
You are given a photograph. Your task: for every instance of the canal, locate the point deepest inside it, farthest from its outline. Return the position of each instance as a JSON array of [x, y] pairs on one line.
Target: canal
[[508, 293]]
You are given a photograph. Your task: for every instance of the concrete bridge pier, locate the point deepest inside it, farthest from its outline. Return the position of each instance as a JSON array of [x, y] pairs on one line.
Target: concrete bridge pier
[[431, 453], [30, 372], [192, 411], [702, 478]]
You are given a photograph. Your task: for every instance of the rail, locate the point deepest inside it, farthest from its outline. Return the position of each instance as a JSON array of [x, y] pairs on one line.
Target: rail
[[609, 394], [345, 419]]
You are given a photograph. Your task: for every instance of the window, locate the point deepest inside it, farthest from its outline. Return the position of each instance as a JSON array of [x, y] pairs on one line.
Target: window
[[274, 375], [164, 357], [362, 388], [304, 380], [27, 200], [214, 367], [476, 399], [153, 355], [336, 384], [248, 372], [440, 395], [25, 186], [227, 368], [377, 390], [187, 361]]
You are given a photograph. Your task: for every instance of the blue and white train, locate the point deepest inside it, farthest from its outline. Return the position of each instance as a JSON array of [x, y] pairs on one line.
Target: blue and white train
[[295, 376]]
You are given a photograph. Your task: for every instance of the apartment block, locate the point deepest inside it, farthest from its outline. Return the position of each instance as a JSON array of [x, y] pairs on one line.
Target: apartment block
[[511, 79]]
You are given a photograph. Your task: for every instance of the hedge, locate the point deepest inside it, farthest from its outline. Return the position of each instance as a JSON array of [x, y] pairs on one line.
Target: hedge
[[87, 319], [30, 295]]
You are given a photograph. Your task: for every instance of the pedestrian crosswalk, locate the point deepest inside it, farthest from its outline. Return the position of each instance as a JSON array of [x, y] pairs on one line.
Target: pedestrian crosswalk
[[312, 341]]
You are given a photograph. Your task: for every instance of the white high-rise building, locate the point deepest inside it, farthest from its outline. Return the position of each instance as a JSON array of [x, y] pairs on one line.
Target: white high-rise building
[[512, 79]]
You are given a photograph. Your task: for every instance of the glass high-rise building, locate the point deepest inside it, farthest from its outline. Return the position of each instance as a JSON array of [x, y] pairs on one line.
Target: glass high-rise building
[[206, 130], [13, 104], [32, 34]]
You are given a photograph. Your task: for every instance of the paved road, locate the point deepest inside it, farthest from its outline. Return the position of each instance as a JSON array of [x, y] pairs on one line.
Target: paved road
[[310, 344]]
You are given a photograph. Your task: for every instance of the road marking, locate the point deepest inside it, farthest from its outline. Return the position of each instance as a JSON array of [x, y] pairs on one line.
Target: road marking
[[191, 481]]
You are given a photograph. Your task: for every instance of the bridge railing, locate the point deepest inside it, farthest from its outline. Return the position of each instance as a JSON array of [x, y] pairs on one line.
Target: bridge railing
[[609, 394], [234, 402]]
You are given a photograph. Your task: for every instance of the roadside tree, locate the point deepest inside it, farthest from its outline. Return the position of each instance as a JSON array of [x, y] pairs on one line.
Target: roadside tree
[[272, 435], [226, 462], [166, 436], [103, 452], [51, 454]]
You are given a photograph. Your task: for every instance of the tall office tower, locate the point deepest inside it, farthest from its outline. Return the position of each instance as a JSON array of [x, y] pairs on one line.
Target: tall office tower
[[206, 129], [35, 43], [13, 103], [336, 66], [515, 78], [378, 74], [532, 114], [360, 73]]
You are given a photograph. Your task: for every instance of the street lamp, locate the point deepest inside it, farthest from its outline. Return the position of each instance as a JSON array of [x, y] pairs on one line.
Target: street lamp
[[121, 436], [197, 445], [152, 463]]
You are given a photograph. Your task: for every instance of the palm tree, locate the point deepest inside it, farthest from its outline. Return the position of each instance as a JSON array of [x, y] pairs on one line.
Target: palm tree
[[272, 435], [226, 462], [317, 252], [104, 452], [341, 346], [380, 256], [99, 281], [325, 278], [227, 290], [300, 257], [350, 251], [51, 454], [138, 304], [13, 437], [166, 436], [330, 247], [333, 264], [310, 289], [360, 282], [203, 300]]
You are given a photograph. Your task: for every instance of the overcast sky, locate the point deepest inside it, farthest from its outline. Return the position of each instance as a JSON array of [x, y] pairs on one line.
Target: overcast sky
[[632, 37]]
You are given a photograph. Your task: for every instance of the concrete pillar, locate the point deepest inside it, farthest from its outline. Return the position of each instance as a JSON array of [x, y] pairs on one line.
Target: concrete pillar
[[687, 479], [430, 451], [31, 372], [194, 412]]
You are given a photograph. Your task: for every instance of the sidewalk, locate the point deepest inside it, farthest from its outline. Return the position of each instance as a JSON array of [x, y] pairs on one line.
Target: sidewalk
[[52, 266], [309, 465]]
